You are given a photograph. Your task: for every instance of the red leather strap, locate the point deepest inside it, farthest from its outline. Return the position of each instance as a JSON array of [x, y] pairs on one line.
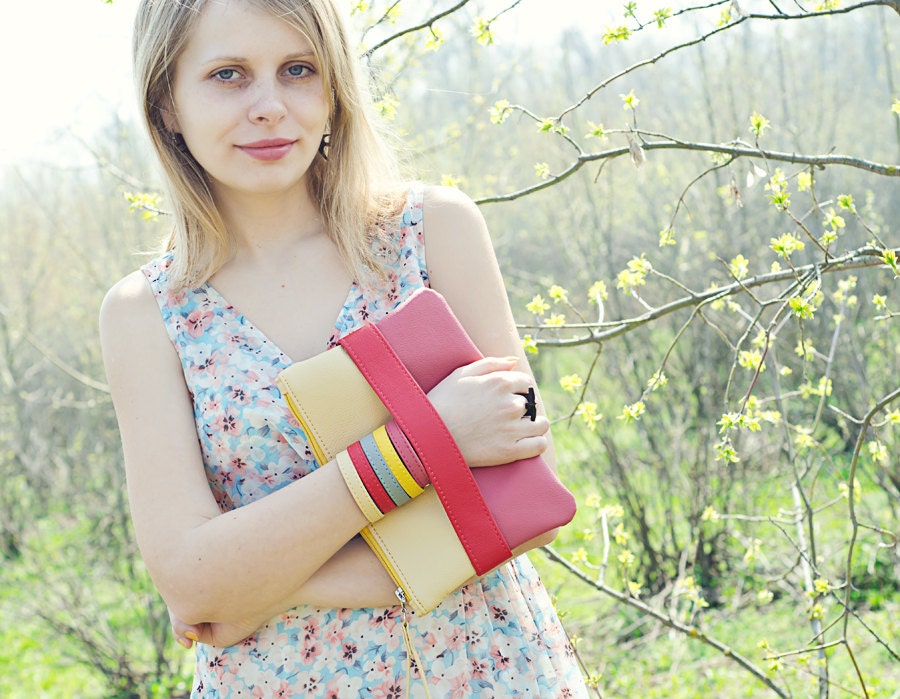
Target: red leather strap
[[370, 480], [406, 453], [450, 476]]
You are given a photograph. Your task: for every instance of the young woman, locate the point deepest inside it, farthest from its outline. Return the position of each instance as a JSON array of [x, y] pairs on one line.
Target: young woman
[[291, 230]]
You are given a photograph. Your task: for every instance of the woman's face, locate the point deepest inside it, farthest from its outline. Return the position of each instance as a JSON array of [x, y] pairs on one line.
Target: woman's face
[[249, 100]]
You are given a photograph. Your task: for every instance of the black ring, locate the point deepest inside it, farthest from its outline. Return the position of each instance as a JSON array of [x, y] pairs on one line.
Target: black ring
[[530, 404]]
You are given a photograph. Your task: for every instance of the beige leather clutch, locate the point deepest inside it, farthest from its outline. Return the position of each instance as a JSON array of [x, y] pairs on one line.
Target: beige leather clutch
[[416, 543]]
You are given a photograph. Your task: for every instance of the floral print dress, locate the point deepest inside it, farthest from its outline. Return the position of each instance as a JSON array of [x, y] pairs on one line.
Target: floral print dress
[[497, 637]]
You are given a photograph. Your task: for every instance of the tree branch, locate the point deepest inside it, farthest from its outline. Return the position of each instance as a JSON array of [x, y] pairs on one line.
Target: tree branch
[[851, 492], [893, 4], [666, 620], [600, 332], [735, 150], [56, 361], [410, 30]]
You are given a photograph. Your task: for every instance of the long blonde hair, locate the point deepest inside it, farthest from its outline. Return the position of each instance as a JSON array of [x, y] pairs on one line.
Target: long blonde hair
[[358, 189]]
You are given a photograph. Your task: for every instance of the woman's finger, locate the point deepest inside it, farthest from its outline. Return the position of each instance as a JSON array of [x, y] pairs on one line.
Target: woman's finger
[[487, 365], [185, 634]]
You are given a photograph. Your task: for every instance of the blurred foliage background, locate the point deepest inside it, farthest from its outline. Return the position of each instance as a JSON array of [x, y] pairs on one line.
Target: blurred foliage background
[[694, 209]]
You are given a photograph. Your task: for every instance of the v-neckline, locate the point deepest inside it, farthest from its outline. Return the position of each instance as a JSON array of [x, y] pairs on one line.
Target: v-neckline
[[336, 328]]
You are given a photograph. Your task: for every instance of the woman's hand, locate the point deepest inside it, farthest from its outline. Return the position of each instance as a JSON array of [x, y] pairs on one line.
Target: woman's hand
[[213, 634], [185, 634], [481, 407]]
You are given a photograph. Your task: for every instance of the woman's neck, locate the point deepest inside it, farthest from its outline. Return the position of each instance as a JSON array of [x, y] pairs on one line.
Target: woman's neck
[[261, 225]]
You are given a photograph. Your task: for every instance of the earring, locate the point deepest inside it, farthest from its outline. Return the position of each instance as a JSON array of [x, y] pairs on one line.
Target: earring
[[323, 145]]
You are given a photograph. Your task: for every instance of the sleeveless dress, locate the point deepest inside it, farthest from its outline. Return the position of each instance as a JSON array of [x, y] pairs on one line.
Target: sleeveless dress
[[497, 637]]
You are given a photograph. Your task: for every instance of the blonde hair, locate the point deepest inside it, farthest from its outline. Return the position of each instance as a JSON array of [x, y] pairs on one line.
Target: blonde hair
[[358, 189]]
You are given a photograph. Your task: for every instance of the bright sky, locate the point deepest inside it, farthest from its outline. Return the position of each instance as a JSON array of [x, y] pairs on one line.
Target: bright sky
[[67, 66]]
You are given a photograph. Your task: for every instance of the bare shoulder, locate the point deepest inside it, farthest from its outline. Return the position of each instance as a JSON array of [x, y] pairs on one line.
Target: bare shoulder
[[129, 313], [457, 244], [438, 196], [447, 209], [126, 294]]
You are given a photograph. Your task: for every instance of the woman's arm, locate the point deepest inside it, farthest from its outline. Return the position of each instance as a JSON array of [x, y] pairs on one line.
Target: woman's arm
[[206, 564], [462, 267], [255, 561], [332, 586], [336, 584]]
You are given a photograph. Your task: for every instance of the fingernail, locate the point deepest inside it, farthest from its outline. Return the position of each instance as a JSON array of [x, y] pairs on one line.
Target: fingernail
[[194, 637], [512, 359], [184, 642]]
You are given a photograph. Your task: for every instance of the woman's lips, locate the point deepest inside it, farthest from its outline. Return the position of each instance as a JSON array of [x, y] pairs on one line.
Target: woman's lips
[[268, 149]]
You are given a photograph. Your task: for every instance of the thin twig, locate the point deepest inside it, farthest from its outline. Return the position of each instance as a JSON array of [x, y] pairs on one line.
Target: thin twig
[[415, 28], [688, 631], [894, 4]]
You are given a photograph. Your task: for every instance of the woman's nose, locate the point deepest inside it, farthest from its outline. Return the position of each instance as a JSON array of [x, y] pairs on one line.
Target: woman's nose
[[267, 103]]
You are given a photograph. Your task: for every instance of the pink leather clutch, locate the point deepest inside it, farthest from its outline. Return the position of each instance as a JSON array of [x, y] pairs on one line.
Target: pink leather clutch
[[525, 497], [492, 510]]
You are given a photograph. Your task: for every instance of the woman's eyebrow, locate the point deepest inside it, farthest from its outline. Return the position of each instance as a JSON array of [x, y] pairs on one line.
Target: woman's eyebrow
[[300, 55]]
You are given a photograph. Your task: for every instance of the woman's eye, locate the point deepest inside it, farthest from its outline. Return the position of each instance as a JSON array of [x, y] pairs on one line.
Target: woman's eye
[[298, 70], [226, 74]]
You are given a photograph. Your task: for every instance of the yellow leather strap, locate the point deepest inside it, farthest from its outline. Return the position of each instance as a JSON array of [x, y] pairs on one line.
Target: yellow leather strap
[[379, 466], [398, 468]]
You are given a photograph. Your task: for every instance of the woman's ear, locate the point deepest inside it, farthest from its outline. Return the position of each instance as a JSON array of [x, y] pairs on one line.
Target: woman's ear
[[169, 117]]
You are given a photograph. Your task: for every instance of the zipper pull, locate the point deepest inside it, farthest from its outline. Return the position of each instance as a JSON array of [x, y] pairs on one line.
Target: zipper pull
[[412, 656]]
